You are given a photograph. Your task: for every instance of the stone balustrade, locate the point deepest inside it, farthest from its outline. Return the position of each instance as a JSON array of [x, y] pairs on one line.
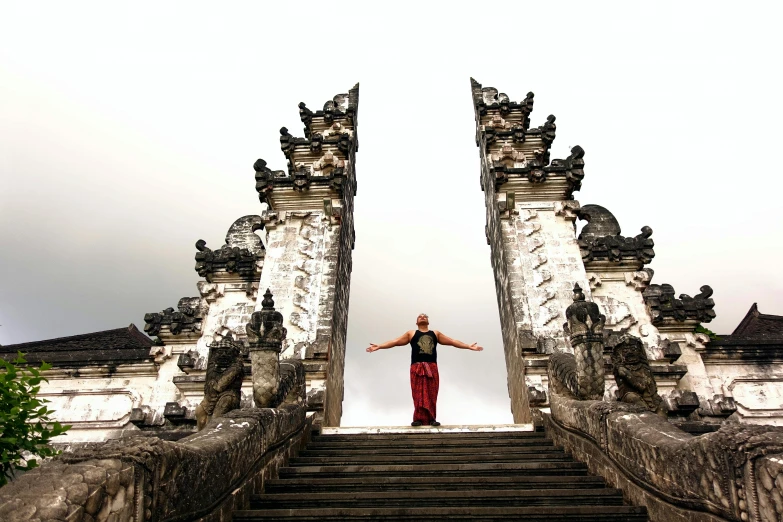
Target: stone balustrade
[[735, 473], [204, 477]]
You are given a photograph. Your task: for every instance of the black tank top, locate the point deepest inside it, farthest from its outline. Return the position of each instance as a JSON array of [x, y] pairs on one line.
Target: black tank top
[[424, 347]]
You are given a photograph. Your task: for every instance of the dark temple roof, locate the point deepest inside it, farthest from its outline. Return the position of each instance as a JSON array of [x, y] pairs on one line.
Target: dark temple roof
[[756, 324], [122, 345]]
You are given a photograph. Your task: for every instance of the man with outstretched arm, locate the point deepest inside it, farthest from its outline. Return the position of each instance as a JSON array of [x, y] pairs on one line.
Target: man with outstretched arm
[[424, 366]]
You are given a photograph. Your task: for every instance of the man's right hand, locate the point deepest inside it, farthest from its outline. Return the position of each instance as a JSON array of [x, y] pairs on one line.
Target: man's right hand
[[372, 348]]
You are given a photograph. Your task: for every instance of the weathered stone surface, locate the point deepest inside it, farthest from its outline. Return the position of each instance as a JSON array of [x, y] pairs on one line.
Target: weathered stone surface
[[715, 472], [193, 477]]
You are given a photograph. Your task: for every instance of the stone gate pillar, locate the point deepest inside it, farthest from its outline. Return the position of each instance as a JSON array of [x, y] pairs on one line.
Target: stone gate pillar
[[530, 231], [309, 239]]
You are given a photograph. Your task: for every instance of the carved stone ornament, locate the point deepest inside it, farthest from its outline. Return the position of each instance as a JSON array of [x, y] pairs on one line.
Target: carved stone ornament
[[188, 317], [663, 306], [549, 130], [266, 179], [634, 378], [585, 329], [222, 388], [488, 98], [600, 239], [338, 142], [342, 107], [265, 333], [240, 254]]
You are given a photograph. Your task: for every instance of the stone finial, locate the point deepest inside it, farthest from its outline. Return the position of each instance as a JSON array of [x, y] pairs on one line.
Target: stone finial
[[222, 388], [634, 378], [578, 294], [268, 303], [265, 330]]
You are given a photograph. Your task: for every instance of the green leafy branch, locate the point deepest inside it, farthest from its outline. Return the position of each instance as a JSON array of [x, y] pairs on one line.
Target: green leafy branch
[[25, 423]]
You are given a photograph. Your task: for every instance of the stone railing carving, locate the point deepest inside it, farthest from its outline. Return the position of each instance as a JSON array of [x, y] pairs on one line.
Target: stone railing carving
[[205, 476], [265, 333], [735, 473]]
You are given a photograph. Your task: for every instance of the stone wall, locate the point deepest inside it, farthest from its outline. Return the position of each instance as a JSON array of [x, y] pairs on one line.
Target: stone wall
[[333, 318], [203, 477], [746, 375], [512, 306], [530, 229]]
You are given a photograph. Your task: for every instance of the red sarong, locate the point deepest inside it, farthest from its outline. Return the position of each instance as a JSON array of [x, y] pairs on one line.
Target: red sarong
[[424, 387]]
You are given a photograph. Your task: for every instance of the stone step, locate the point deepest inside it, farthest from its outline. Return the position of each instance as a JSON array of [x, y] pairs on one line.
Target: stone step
[[431, 435], [415, 443], [350, 459], [413, 483], [444, 428], [528, 514], [438, 470], [441, 498], [428, 450]]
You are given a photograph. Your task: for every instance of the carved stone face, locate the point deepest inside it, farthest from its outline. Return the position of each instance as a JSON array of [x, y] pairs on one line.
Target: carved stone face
[[224, 358], [631, 356]]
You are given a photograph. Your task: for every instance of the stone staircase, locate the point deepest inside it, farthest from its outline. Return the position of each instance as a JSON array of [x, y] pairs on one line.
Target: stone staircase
[[436, 475]]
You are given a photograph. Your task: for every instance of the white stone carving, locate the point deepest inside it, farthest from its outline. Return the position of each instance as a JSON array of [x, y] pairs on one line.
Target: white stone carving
[[567, 209], [160, 353], [211, 291]]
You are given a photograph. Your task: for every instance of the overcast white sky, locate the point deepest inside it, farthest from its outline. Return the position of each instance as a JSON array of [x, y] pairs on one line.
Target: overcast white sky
[[129, 131]]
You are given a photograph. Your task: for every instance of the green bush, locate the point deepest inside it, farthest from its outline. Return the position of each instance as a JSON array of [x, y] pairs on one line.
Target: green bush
[[25, 426]]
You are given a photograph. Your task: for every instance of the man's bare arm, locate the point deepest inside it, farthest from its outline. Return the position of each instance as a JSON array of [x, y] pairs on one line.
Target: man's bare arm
[[400, 341], [448, 341]]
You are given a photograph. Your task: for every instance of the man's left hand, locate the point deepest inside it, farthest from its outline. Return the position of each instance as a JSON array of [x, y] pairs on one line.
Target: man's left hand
[[475, 347]]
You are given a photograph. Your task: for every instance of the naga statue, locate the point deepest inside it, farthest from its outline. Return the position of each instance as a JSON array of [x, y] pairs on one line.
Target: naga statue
[[265, 333], [635, 380], [585, 329], [225, 370]]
